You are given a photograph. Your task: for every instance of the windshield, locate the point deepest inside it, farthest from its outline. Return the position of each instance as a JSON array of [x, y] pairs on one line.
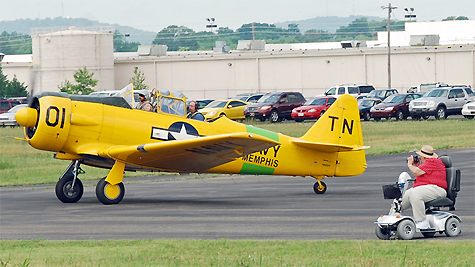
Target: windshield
[[17, 107], [331, 91], [217, 104], [395, 99], [316, 102], [128, 94], [269, 99], [438, 93], [366, 103], [376, 93]]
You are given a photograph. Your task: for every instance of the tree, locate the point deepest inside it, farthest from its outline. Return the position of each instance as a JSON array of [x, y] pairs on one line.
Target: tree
[[11, 88], [455, 18], [138, 80], [84, 86], [121, 44]]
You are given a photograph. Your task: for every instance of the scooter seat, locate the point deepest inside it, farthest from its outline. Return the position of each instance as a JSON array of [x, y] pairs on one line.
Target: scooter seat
[[439, 202]]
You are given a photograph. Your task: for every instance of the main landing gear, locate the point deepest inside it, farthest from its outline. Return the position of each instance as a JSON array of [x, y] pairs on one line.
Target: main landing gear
[[109, 190], [319, 187]]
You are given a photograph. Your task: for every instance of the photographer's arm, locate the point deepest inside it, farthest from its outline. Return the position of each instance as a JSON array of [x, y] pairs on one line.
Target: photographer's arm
[[415, 170]]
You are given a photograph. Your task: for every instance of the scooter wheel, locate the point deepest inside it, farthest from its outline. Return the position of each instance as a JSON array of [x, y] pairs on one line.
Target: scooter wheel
[[452, 227], [381, 233], [406, 230]]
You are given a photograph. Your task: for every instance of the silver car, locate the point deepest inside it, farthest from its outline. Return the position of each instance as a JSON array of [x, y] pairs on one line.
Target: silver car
[[441, 102]]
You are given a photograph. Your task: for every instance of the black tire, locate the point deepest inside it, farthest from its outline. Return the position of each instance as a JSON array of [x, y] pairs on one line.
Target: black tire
[[65, 193], [367, 116], [426, 117], [440, 113], [222, 114], [274, 116], [428, 234], [320, 189], [382, 233], [321, 113], [377, 118], [262, 119], [416, 117], [109, 194], [452, 227], [468, 117], [406, 230], [400, 115]]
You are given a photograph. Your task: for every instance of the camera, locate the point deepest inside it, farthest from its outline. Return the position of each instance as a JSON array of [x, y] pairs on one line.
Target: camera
[[416, 158]]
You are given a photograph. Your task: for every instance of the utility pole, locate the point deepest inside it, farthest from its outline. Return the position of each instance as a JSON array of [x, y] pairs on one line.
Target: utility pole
[[253, 32], [390, 8]]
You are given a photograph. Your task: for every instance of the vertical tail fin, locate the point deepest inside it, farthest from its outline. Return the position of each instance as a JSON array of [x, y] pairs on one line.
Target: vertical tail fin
[[339, 125], [339, 131]]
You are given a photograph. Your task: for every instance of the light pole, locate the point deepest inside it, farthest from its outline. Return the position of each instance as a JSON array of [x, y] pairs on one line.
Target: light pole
[[211, 25], [410, 15], [390, 9]]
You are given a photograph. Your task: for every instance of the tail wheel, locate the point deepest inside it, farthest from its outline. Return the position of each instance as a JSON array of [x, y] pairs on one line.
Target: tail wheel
[[452, 227], [320, 188], [109, 194], [66, 192]]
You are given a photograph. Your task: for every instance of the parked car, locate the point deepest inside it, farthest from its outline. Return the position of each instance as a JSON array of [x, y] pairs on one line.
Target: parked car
[[365, 106], [251, 98], [275, 106], [425, 87], [468, 110], [8, 118], [358, 91], [201, 103], [312, 109], [6, 105], [382, 93], [396, 106], [233, 109], [441, 102]]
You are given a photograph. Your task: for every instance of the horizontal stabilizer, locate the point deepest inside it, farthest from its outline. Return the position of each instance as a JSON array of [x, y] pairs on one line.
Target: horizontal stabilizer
[[327, 147]]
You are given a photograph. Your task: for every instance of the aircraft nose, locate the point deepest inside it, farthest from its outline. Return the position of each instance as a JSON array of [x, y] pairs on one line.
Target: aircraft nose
[[27, 117]]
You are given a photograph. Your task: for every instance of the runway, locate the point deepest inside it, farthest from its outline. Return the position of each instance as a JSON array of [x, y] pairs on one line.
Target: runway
[[229, 207]]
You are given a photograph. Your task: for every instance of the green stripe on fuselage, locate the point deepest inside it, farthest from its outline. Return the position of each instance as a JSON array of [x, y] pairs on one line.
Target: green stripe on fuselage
[[248, 168], [266, 133]]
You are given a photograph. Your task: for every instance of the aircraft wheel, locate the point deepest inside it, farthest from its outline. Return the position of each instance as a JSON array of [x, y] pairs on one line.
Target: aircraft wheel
[[109, 194], [382, 233], [66, 193], [406, 230], [319, 189], [452, 227]]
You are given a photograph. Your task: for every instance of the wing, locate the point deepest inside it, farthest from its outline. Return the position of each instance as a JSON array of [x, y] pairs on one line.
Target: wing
[[192, 155]]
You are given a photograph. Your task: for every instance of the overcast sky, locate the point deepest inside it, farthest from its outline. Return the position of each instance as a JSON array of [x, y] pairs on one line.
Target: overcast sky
[[154, 15]]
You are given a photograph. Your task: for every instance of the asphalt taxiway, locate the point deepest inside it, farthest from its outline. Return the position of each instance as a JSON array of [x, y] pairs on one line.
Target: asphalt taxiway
[[230, 207]]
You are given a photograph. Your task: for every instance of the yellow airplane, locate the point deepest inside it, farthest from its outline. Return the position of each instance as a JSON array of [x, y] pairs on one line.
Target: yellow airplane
[[107, 132]]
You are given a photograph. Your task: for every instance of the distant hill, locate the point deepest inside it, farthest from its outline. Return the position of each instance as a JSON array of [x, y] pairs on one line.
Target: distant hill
[[330, 24], [24, 25]]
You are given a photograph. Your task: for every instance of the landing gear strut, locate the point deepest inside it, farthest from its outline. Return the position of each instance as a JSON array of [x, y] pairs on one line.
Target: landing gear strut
[[69, 188]]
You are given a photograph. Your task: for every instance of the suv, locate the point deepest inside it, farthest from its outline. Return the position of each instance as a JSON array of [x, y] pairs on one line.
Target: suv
[[358, 91], [274, 106], [6, 105], [441, 102], [382, 94]]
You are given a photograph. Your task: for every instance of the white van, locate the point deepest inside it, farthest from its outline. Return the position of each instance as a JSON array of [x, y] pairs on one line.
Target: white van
[[358, 91]]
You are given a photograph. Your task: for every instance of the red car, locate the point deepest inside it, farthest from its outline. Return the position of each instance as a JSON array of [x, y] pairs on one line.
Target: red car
[[312, 109]]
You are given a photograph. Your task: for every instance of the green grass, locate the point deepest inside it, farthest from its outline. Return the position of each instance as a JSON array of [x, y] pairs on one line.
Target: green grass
[[236, 253], [21, 164]]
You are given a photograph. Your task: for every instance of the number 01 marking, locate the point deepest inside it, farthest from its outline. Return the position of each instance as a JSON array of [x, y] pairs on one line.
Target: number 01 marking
[[53, 119]]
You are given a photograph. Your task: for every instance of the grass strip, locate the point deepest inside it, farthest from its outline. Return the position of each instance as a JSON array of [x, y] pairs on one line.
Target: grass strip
[[236, 253]]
